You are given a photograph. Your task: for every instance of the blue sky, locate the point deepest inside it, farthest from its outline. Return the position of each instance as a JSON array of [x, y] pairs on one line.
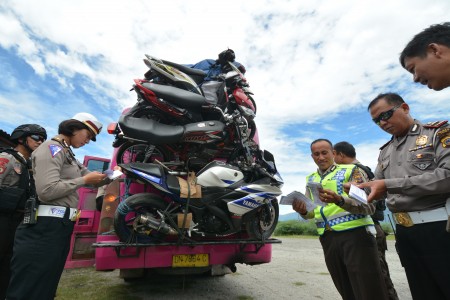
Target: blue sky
[[313, 65]]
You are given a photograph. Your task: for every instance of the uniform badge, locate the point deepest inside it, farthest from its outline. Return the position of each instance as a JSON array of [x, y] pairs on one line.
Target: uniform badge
[[421, 140], [54, 149], [18, 167], [445, 142], [3, 163], [422, 166]]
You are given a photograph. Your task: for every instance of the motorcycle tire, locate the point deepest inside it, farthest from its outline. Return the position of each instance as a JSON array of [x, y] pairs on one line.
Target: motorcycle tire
[[139, 152], [138, 204], [262, 223]]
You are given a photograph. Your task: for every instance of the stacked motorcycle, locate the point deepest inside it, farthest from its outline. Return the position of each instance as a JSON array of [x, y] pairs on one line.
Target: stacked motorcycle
[[193, 139]]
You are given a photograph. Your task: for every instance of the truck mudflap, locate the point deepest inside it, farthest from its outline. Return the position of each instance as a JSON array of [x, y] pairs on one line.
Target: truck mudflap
[[112, 254]]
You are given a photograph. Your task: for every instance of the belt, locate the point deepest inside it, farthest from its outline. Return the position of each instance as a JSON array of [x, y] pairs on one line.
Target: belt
[[57, 212], [409, 219], [339, 220]]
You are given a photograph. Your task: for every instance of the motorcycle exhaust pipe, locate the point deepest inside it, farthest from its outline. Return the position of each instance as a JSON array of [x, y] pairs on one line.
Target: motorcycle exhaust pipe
[[158, 225]]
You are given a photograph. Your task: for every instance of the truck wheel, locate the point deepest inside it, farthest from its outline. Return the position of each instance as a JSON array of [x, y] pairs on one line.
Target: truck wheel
[[130, 209], [262, 223]]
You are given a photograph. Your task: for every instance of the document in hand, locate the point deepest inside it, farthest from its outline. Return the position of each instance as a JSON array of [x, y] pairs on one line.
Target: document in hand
[[289, 199], [357, 194], [314, 189], [113, 174]]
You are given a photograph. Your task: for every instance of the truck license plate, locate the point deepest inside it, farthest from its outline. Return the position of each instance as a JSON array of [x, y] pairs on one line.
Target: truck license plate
[[190, 260]]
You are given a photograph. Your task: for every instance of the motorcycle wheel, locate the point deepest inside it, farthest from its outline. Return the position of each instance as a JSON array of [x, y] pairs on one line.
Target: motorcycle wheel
[[130, 209], [261, 224], [138, 152]]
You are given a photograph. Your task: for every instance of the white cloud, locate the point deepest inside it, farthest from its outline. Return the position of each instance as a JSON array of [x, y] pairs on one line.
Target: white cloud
[[307, 61]]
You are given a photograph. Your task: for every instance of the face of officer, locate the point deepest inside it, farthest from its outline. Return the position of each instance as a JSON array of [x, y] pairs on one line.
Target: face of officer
[[34, 141], [80, 138], [433, 70], [322, 154], [394, 119]]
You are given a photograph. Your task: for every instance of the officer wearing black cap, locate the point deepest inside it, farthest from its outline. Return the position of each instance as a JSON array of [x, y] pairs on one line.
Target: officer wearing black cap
[[16, 185]]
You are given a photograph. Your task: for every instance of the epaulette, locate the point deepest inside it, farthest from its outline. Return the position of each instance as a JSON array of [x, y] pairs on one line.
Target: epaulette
[[385, 145], [435, 124]]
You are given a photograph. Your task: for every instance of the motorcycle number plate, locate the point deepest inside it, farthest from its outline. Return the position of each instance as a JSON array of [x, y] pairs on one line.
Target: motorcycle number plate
[[190, 260]]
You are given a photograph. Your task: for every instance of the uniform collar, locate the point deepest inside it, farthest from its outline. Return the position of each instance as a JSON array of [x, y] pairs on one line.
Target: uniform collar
[[414, 130], [327, 171]]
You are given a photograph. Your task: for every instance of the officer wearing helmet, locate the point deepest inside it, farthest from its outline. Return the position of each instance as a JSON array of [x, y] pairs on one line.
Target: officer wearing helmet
[[40, 249], [16, 185]]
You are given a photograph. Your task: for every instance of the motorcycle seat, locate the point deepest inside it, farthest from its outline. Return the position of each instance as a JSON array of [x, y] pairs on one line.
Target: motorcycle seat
[[150, 130], [174, 95]]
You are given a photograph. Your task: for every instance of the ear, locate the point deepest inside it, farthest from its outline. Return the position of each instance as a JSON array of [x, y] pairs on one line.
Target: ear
[[405, 107], [334, 153], [435, 50]]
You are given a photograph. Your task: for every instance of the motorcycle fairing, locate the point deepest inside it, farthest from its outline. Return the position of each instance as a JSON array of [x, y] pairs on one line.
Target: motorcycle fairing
[[179, 97], [249, 202], [173, 74]]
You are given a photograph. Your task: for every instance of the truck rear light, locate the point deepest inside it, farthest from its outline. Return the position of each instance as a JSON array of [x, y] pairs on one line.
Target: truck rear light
[[112, 128]]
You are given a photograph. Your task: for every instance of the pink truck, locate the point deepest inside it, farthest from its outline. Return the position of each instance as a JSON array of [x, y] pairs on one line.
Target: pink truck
[[94, 235]]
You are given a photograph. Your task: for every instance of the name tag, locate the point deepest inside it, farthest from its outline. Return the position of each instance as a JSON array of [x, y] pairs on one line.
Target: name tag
[[57, 212]]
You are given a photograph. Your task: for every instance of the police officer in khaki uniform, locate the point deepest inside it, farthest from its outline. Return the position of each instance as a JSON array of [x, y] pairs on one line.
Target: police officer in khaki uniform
[[346, 154], [40, 249], [414, 170], [16, 186]]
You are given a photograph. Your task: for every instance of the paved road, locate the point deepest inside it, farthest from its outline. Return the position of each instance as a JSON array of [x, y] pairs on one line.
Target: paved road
[[297, 271]]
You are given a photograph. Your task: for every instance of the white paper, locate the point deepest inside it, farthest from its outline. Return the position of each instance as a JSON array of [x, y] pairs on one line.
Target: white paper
[[314, 190], [113, 174], [289, 199], [357, 194]]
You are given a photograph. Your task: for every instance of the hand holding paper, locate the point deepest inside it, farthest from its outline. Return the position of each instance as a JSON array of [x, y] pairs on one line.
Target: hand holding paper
[[113, 174], [358, 194]]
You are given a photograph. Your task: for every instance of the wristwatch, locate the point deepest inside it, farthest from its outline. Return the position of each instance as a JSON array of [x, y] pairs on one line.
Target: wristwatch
[[340, 202]]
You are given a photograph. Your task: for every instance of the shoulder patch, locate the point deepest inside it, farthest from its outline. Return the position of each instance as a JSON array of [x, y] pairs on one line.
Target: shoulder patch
[[435, 124], [385, 145], [54, 149], [3, 163]]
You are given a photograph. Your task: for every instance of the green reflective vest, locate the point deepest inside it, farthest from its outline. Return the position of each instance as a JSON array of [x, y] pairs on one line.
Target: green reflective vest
[[331, 216]]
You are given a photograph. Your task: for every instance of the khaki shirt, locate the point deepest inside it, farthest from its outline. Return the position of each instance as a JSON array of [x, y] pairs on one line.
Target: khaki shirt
[[416, 169], [57, 174], [10, 170]]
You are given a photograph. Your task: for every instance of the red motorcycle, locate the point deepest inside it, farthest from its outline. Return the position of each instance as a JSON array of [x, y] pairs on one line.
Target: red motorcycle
[[184, 124]]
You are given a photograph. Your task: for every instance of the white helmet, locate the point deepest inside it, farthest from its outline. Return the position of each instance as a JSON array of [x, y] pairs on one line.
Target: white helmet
[[90, 121]]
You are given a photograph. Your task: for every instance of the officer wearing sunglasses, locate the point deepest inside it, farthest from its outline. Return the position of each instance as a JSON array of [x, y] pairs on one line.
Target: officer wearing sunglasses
[[16, 185], [414, 172]]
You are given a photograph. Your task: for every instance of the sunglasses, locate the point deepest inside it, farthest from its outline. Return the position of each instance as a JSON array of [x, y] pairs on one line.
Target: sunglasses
[[384, 116], [37, 138]]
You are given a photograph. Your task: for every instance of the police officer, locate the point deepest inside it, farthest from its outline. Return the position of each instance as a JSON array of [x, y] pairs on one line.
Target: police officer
[[40, 249], [414, 170], [345, 153], [346, 230], [427, 57], [16, 186]]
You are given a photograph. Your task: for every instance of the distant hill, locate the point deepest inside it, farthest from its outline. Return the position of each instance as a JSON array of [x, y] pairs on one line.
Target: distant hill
[[290, 216]]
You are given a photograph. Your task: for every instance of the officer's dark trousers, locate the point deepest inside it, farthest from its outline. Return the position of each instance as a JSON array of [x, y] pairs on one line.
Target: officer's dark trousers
[[40, 252], [352, 260], [424, 252], [382, 247], [8, 226]]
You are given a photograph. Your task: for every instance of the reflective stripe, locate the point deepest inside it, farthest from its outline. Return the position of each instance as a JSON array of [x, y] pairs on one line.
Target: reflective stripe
[[339, 220]]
